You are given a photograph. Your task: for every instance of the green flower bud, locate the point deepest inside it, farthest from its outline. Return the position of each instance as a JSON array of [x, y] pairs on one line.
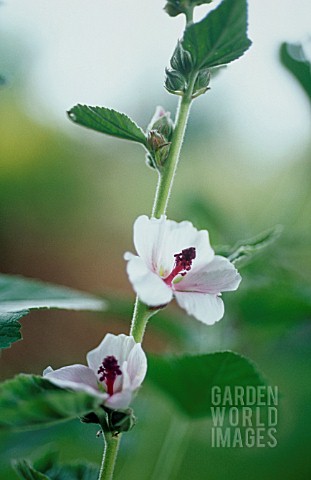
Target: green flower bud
[[121, 420], [155, 140], [158, 149], [202, 82], [175, 82], [181, 60], [162, 123], [161, 154]]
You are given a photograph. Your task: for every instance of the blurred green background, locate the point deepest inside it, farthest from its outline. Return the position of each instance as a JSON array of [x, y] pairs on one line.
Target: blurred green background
[[68, 199]]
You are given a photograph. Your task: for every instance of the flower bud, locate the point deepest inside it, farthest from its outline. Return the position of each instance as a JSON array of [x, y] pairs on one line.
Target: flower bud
[[162, 123], [158, 149], [202, 82], [175, 82], [181, 60], [121, 420], [155, 140]]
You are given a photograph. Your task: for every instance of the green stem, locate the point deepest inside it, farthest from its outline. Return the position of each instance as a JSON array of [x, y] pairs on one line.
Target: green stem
[[141, 312], [141, 316], [189, 15], [109, 456], [167, 174]]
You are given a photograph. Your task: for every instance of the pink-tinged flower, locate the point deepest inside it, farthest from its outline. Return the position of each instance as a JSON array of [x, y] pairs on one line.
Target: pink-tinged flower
[[175, 259], [116, 369]]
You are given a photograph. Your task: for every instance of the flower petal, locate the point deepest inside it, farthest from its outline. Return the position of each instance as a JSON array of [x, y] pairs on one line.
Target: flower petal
[[119, 400], [219, 275], [157, 240], [149, 287], [204, 307], [118, 346], [136, 366], [74, 377]]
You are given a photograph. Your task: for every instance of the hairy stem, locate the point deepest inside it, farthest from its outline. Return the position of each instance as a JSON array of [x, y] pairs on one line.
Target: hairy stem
[[167, 174], [141, 316], [109, 456]]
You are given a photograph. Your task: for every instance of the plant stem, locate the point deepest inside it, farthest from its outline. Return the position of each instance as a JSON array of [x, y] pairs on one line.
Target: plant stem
[[141, 312], [141, 316], [109, 456], [167, 174]]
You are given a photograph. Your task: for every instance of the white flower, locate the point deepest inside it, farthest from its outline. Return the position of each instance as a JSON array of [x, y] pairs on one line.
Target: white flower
[[175, 259], [116, 368]]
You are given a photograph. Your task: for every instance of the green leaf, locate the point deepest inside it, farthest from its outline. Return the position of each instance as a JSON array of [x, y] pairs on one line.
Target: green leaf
[[293, 58], [28, 402], [244, 251], [220, 37], [10, 327], [26, 471], [188, 380], [2, 81], [107, 121], [56, 471], [18, 296], [79, 471]]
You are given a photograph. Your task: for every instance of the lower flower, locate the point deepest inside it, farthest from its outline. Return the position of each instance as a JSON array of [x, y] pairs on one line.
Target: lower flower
[[116, 369]]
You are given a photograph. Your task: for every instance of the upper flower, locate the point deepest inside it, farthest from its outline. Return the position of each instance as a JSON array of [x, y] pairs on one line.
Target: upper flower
[[177, 259], [116, 368]]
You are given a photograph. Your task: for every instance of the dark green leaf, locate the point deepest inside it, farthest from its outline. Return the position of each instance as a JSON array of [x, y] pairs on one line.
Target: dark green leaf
[[2, 81], [10, 327], [188, 380], [293, 58], [220, 37], [76, 471], [107, 121], [29, 401], [19, 295], [26, 471]]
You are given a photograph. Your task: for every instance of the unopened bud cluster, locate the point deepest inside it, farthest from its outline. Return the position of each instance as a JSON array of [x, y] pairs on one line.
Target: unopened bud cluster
[[159, 135], [182, 69]]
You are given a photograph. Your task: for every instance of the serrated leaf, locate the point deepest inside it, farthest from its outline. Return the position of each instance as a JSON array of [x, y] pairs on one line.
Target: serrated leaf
[[293, 58], [107, 121], [220, 37], [27, 472], [28, 402], [18, 296], [243, 251], [188, 380]]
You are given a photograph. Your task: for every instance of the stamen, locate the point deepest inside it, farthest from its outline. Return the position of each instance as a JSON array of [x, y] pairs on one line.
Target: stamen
[[109, 371], [183, 263]]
